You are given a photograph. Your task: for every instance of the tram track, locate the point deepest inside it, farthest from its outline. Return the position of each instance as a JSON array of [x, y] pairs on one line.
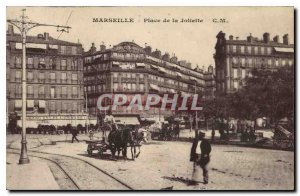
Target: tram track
[[82, 174]]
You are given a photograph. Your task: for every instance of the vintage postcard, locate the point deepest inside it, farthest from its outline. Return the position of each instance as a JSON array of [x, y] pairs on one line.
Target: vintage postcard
[[150, 98]]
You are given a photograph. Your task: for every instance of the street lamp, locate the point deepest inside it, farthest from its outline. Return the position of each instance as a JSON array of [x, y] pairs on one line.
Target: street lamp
[[24, 26]]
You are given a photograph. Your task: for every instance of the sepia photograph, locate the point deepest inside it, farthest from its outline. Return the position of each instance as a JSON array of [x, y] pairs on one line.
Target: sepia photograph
[[150, 98]]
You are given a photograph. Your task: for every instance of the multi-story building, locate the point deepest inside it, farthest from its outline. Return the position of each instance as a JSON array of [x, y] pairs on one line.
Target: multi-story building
[[234, 58], [128, 68], [54, 76]]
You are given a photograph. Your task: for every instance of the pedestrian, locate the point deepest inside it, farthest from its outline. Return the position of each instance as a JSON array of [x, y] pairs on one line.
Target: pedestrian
[[200, 151], [74, 134]]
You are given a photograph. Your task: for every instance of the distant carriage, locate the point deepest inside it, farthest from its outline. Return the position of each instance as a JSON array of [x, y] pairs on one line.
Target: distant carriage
[[283, 138]]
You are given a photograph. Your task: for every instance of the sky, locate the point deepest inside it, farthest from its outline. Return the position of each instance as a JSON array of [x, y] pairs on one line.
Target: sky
[[193, 42]]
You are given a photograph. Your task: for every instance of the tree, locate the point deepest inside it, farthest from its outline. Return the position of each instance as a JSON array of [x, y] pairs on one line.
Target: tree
[[266, 94]]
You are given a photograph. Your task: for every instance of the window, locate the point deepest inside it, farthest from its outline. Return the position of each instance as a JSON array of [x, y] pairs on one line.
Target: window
[[269, 50], [18, 91], [41, 77], [52, 77], [255, 50], [18, 61], [234, 61], [249, 49], [52, 92], [243, 61], [64, 92], [133, 86], [262, 50], [243, 73], [52, 106], [42, 63], [74, 65], [115, 86], [74, 77], [276, 62], [63, 49], [283, 62], [234, 48], [74, 107], [30, 76], [242, 49], [235, 84], [74, 92], [30, 91], [290, 62], [269, 62], [250, 62], [29, 64], [41, 91], [74, 50], [63, 77], [63, 64], [64, 107], [18, 76], [235, 73], [142, 86], [52, 64]]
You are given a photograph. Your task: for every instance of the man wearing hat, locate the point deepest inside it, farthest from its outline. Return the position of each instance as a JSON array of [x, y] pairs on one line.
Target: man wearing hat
[[200, 151]]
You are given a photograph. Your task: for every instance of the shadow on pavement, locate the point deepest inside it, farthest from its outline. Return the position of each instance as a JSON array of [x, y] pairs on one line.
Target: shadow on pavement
[[186, 181]]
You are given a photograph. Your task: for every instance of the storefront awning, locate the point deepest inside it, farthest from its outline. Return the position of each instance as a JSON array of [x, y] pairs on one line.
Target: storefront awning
[[154, 67], [161, 69], [154, 87], [193, 79], [179, 74], [18, 104], [140, 65], [287, 50], [30, 104], [127, 120], [54, 47], [116, 63], [39, 46], [172, 91], [42, 104]]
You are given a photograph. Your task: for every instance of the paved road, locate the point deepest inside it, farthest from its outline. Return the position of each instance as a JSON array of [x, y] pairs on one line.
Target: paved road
[[166, 164]]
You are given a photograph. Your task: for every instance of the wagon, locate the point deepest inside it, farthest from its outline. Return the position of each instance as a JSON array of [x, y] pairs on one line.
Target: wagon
[[97, 145], [282, 138]]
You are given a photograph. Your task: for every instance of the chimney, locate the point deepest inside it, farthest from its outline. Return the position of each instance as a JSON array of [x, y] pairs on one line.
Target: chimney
[[173, 59], [93, 48], [10, 30], [250, 38], [237, 38], [46, 36], [148, 50], [166, 57], [286, 39], [266, 37], [102, 47], [188, 64], [230, 37], [276, 39], [157, 53], [40, 36]]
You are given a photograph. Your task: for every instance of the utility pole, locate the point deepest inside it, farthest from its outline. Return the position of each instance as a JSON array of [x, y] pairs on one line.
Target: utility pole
[[24, 25], [196, 126]]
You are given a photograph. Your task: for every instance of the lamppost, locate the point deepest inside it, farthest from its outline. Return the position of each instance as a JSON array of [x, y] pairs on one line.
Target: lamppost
[[24, 26], [196, 126]]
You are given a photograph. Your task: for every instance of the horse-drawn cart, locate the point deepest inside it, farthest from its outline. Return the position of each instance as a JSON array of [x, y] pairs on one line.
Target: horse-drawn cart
[[97, 145]]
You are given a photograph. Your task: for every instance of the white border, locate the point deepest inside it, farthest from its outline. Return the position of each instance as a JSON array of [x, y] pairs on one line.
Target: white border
[[5, 3]]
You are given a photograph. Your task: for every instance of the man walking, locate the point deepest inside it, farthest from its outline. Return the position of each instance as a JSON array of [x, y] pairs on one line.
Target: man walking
[[74, 134], [200, 151]]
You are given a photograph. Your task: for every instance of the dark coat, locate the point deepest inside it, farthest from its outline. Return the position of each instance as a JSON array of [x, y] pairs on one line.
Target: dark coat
[[205, 149]]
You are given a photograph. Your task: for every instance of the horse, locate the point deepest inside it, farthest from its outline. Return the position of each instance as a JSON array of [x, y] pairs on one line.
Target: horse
[[118, 141]]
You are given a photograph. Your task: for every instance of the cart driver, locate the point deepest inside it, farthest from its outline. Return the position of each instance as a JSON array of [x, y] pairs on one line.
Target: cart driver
[[110, 121]]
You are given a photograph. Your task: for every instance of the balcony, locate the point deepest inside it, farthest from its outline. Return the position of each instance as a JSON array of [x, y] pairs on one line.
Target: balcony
[[74, 96], [64, 96], [41, 95], [41, 80]]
